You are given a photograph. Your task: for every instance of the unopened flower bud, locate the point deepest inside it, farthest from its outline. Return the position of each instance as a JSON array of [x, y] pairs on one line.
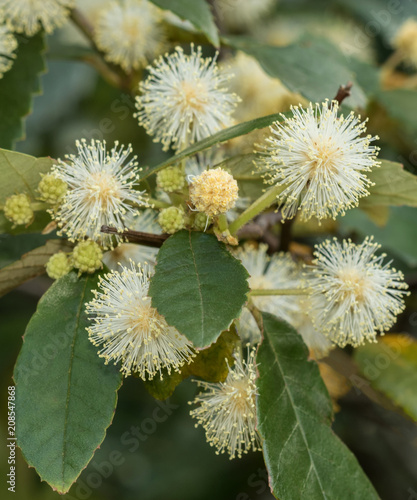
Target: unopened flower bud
[[87, 256], [170, 179], [18, 210], [52, 189], [171, 220], [58, 265]]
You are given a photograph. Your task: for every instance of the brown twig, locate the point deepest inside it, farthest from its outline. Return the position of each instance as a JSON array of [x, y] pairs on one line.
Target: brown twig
[[343, 92], [286, 235], [148, 239]]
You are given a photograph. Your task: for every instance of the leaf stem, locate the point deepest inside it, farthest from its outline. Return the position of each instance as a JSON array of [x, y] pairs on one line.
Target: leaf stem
[[282, 291], [265, 201], [157, 203]]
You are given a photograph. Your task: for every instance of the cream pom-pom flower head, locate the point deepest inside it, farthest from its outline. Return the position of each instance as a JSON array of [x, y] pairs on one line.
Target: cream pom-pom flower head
[[129, 33], [213, 192], [278, 271], [130, 330], [227, 411], [30, 16], [243, 13], [353, 295], [8, 44], [101, 191], [320, 158], [184, 99], [405, 41]]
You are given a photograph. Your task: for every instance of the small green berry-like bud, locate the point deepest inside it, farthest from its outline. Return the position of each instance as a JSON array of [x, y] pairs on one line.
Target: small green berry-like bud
[[52, 189], [58, 265], [171, 220], [17, 209], [87, 256], [170, 179], [201, 221]]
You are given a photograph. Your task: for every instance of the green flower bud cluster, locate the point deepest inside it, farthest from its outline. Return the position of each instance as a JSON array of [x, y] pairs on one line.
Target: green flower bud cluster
[[86, 256], [202, 221], [17, 209], [171, 220], [58, 265], [171, 179], [52, 189]]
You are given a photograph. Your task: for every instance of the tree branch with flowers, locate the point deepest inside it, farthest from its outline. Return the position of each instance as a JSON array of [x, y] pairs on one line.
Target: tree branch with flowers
[[156, 276]]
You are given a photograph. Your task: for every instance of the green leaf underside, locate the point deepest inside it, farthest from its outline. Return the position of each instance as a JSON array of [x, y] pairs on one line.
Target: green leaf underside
[[391, 367], [31, 265], [198, 286], [247, 174], [401, 105], [13, 247], [209, 364], [197, 12], [20, 173], [394, 186], [65, 394], [18, 86], [395, 236], [222, 136], [312, 66], [304, 458]]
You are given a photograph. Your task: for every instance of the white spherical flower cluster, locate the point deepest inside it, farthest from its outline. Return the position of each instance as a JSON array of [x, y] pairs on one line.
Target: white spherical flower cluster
[[8, 44], [101, 191], [267, 273], [405, 41], [129, 33], [321, 159], [353, 295], [30, 16], [227, 411], [184, 99], [130, 330]]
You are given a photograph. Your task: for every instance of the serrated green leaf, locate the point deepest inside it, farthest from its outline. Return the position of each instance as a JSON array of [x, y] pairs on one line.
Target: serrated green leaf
[[395, 236], [20, 173], [210, 364], [198, 286], [247, 175], [304, 458], [222, 136], [197, 12], [65, 394], [18, 86], [163, 388], [13, 247], [312, 66], [31, 265], [391, 367], [400, 104], [394, 186]]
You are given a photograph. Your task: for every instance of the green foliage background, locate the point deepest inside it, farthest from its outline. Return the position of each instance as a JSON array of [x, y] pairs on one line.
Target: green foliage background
[[174, 461]]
